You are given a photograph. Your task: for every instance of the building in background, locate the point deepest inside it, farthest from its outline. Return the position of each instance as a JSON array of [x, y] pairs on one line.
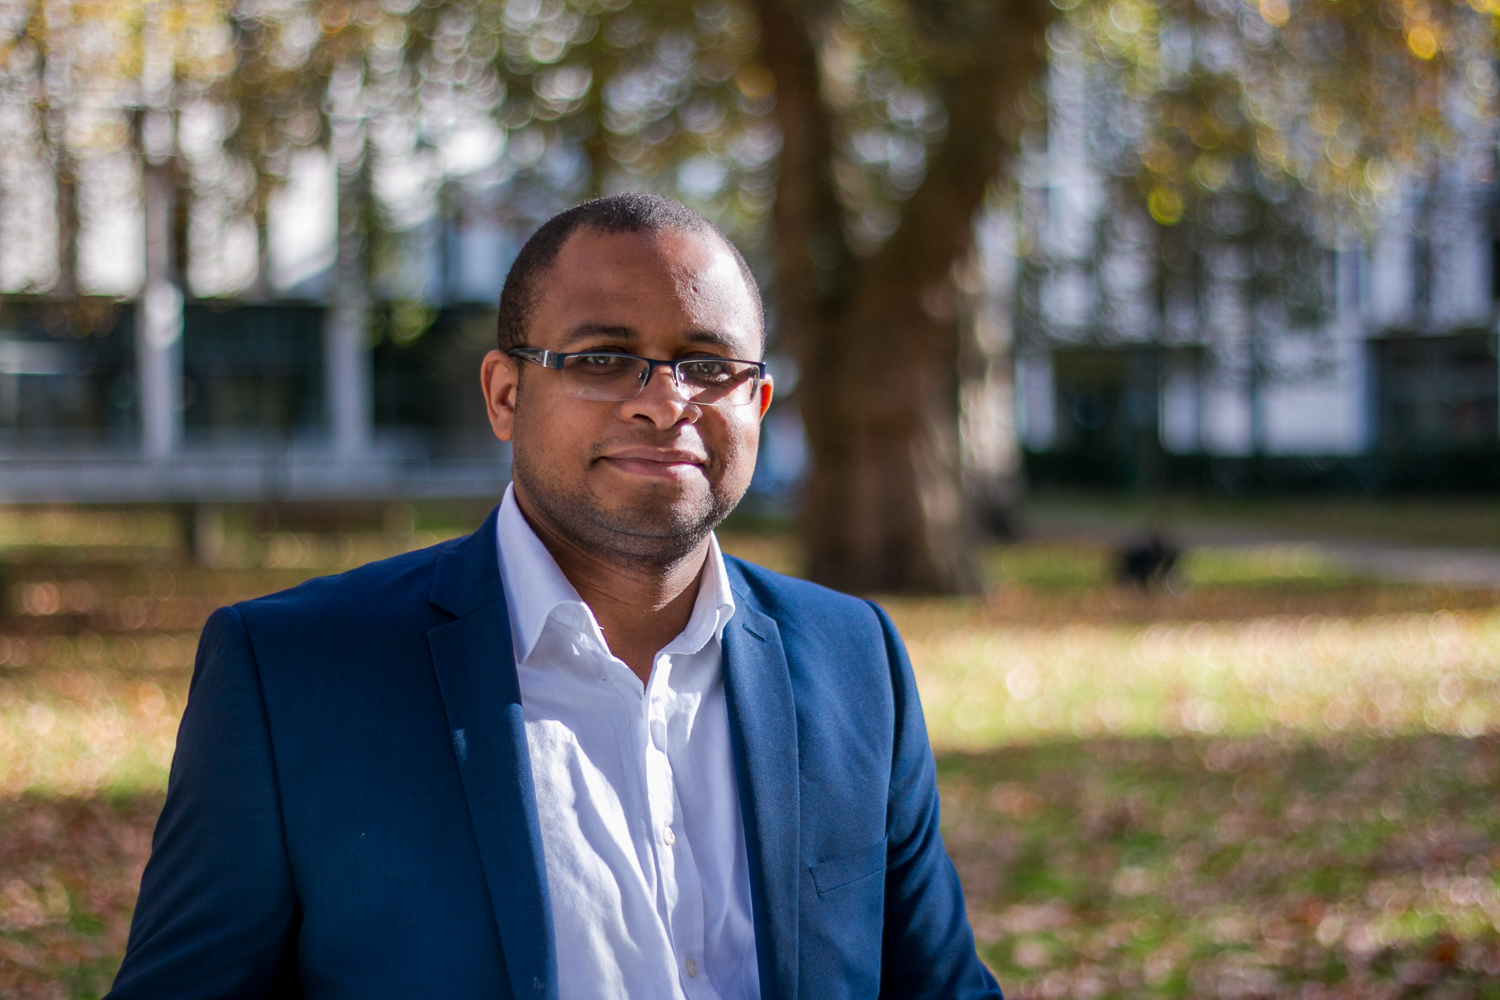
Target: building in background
[[1240, 345], [236, 398], [241, 384]]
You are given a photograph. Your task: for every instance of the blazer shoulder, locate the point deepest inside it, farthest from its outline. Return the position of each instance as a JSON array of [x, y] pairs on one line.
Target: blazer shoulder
[[786, 598]]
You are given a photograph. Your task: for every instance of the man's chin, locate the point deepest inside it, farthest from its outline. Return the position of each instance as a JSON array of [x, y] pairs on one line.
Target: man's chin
[[675, 498], [659, 522], [628, 517], [689, 518]]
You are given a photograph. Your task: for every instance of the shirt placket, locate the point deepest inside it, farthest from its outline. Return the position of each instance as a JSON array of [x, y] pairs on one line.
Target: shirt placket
[[680, 898]]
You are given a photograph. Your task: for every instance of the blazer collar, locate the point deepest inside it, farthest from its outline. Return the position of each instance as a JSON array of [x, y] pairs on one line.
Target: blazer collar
[[763, 734], [467, 576], [476, 672]]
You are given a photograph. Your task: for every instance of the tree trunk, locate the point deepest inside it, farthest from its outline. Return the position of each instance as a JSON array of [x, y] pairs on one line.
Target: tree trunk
[[879, 337], [65, 174], [261, 290]]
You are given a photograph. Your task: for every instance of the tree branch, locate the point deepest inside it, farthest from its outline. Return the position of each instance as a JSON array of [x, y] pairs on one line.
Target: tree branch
[[986, 78], [813, 260]]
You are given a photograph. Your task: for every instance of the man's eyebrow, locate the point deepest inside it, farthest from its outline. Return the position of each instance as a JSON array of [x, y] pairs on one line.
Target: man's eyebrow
[[610, 331], [710, 337], [594, 331]]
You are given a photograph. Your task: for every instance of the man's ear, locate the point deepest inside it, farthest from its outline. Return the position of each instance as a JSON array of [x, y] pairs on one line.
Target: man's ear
[[766, 389], [498, 376]]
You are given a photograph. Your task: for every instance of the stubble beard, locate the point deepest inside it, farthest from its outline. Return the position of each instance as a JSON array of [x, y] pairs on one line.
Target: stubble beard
[[651, 535]]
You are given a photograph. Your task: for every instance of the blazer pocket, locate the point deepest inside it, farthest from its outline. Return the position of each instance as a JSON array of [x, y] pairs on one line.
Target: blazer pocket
[[841, 871]]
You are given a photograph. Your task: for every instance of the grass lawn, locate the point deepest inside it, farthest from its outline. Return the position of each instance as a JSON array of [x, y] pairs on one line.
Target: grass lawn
[[1268, 781]]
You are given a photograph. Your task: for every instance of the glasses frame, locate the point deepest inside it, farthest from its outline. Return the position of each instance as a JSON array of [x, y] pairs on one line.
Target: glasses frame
[[556, 359]]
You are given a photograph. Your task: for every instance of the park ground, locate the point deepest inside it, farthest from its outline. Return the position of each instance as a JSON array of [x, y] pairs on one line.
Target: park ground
[[1269, 777]]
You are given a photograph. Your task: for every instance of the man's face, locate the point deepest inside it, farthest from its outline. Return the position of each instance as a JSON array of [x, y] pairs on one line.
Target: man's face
[[648, 478]]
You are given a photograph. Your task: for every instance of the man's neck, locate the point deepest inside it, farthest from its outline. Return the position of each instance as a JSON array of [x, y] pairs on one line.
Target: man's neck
[[639, 606]]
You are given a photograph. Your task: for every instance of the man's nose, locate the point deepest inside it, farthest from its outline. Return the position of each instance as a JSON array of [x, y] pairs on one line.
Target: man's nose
[[661, 399]]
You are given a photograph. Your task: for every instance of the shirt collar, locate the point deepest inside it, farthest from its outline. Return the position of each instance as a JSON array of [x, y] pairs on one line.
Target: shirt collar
[[713, 608], [535, 587]]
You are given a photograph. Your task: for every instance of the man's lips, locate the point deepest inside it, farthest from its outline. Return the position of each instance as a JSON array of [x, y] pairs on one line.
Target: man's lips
[[665, 462]]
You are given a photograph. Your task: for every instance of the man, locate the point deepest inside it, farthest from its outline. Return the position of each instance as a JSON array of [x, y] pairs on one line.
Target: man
[[606, 762]]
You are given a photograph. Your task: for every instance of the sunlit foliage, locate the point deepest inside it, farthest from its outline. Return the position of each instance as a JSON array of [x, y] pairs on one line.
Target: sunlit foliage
[[1343, 97]]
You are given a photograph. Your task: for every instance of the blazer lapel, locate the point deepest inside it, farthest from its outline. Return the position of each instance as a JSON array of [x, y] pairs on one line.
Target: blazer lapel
[[476, 671], [763, 734]]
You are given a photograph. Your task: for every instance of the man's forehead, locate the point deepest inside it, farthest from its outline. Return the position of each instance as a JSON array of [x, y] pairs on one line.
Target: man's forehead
[[645, 271], [671, 250]]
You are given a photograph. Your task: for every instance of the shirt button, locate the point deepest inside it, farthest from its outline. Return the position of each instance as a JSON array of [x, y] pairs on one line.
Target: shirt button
[[659, 734], [669, 838], [692, 968]]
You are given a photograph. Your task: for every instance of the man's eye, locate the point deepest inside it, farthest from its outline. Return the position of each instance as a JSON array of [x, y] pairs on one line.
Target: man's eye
[[603, 361], [709, 370]]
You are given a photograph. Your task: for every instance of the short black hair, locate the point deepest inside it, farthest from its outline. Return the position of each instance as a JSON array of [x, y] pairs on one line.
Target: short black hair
[[619, 213]]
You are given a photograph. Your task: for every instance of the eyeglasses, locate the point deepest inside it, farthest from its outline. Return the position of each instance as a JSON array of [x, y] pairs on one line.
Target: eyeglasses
[[608, 377]]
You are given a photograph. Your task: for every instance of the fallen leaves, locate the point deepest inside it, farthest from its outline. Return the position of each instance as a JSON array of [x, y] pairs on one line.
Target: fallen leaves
[[1346, 866], [69, 872], [1274, 785]]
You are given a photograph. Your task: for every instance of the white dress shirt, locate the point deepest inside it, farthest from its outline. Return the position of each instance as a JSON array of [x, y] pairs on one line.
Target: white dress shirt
[[635, 791]]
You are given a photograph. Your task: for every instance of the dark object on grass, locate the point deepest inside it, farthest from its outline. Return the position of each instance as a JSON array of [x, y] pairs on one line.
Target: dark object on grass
[[1147, 563]]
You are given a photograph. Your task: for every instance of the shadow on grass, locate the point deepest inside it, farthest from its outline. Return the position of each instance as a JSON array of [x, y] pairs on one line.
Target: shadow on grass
[[1252, 867]]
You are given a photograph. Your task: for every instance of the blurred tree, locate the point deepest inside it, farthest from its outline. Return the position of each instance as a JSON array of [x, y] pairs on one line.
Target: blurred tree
[[849, 142], [867, 134], [873, 224], [893, 120]]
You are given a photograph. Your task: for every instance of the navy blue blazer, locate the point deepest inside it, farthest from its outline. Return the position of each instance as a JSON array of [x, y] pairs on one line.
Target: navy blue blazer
[[350, 812]]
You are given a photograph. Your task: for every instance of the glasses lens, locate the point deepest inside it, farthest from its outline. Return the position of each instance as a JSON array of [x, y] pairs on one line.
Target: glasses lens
[[718, 383], [602, 376], [615, 377]]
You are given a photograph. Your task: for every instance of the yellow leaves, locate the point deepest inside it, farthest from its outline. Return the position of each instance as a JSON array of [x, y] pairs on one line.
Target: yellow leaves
[[1423, 36], [105, 41], [1165, 206], [1422, 41], [1275, 12], [755, 81]]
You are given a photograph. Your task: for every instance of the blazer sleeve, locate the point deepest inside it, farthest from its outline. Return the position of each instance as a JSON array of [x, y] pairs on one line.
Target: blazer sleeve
[[217, 914], [928, 948]]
